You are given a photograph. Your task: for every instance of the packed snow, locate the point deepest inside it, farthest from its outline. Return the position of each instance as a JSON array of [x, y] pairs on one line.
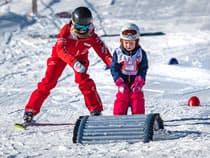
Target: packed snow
[[26, 45]]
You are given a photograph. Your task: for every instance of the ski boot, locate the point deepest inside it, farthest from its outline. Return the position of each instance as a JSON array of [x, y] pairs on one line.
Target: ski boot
[[95, 113], [28, 117]]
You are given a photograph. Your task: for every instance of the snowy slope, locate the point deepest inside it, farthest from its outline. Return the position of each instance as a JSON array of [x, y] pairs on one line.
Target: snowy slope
[[168, 88]]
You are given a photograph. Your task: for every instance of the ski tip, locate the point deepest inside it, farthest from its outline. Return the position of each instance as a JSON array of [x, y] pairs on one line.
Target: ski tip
[[20, 126]]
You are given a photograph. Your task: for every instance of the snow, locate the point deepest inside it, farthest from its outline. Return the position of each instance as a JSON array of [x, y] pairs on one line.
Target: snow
[[168, 87]]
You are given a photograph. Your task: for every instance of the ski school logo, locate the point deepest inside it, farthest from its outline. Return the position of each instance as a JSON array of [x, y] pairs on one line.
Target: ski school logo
[[87, 44], [51, 63]]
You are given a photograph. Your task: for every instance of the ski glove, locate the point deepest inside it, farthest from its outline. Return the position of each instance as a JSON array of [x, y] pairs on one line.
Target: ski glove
[[119, 82], [137, 84], [121, 85], [79, 67]]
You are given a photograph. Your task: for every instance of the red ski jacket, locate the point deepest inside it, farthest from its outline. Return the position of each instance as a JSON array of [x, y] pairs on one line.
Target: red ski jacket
[[70, 49]]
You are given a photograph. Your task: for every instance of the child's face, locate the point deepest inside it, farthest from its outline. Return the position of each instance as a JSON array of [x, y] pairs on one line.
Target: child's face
[[129, 45]]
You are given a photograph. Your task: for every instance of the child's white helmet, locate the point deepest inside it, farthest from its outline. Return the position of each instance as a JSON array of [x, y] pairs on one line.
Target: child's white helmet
[[130, 31]]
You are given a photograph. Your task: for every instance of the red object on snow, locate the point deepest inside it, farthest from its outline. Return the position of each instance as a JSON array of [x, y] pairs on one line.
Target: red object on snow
[[194, 101]]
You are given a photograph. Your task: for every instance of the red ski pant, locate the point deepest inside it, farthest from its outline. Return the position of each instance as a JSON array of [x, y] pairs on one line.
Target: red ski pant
[[55, 67], [129, 98]]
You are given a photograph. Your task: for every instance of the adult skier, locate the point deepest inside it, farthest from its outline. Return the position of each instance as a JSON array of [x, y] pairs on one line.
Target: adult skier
[[71, 49]]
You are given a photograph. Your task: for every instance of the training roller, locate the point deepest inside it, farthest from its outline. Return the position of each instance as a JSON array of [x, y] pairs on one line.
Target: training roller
[[111, 129]]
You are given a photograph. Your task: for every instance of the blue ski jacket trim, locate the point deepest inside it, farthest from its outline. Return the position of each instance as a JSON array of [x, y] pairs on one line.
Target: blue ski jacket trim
[[116, 68]]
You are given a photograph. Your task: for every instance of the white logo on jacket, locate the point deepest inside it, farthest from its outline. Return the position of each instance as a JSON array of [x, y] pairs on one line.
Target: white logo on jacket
[[87, 44]]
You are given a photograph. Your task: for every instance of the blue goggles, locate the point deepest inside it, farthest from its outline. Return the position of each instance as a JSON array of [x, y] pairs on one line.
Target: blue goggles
[[80, 27]]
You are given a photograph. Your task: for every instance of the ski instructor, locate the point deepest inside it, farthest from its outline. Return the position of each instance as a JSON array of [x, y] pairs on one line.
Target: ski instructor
[[71, 48]]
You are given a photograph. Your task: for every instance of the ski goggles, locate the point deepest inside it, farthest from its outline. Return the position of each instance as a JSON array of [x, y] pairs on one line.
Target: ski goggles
[[129, 32], [80, 27], [129, 35]]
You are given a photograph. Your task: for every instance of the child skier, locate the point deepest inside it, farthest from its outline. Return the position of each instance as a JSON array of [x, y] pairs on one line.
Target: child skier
[[129, 67], [71, 48]]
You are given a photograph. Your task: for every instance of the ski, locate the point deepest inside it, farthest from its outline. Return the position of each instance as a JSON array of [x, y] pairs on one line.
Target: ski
[[24, 126]]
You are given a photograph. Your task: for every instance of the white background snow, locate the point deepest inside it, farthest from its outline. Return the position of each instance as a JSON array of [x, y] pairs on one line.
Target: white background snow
[[168, 87]]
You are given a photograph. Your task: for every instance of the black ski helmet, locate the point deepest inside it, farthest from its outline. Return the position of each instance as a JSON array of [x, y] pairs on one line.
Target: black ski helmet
[[82, 15]]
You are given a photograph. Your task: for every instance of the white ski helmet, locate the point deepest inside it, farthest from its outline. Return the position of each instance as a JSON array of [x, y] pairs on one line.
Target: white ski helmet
[[130, 31]]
